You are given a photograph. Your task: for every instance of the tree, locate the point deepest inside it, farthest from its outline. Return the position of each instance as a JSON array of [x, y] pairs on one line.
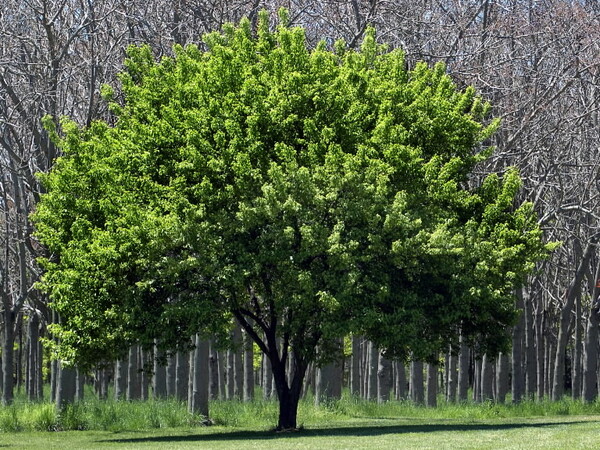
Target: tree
[[302, 193]]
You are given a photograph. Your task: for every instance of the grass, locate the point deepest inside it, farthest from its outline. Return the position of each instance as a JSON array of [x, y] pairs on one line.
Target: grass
[[347, 423]]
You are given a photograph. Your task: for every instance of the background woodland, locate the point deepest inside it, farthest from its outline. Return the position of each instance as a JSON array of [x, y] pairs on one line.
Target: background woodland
[[536, 61]]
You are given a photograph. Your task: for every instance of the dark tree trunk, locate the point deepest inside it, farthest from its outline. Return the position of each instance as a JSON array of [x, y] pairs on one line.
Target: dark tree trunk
[[502, 378], [213, 371], [120, 379], [541, 352], [182, 375], [463, 372], [518, 379], [355, 367], [65, 386], [384, 379], [564, 332], [451, 379], [432, 385], [159, 380], [199, 368], [248, 368], [416, 382], [8, 344], [487, 379], [400, 380]]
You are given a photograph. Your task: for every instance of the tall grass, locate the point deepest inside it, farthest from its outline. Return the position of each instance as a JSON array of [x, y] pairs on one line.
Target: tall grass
[[110, 415]]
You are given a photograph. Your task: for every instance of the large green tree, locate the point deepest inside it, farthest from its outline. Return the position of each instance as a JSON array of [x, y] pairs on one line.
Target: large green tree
[[304, 193]]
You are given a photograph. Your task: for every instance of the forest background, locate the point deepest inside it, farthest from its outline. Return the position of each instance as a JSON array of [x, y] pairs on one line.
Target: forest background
[[536, 61]]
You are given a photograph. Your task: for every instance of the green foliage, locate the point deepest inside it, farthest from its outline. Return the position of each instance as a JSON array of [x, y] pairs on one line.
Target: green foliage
[[321, 191]]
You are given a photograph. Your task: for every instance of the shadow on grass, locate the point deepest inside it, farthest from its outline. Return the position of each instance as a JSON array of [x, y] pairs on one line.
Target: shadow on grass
[[338, 431]]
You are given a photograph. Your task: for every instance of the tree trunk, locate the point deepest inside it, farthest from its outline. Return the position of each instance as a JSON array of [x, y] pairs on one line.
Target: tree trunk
[[267, 378], [65, 386], [477, 381], [34, 358], [238, 363], [182, 375], [541, 353], [373, 361], [464, 360], [576, 363], [328, 385], [171, 375], [590, 362], [355, 367], [8, 344], [120, 379], [384, 379], [199, 403], [502, 378], [530, 360], [248, 368], [159, 385], [134, 387], [400, 380], [416, 382], [79, 385], [451, 381], [573, 292], [432, 385], [145, 374], [590, 348], [518, 380], [213, 371], [487, 379]]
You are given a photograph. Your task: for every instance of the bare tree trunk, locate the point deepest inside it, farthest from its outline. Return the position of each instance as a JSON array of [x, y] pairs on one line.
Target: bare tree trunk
[[182, 374], [530, 361], [238, 363], [199, 403], [384, 379], [416, 382], [328, 384], [134, 388], [487, 379], [574, 291], [79, 385], [267, 378], [452, 377], [248, 368], [432, 385], [590, 347], [518, 378], [171, 375], [34, 359], [477, 381], [120, 379], [213, 371], [8, 343], [464, 360], [355, 367], [502, 378], [541, 353], [65, 387], [159, 385], [145, 373], [400, 380], [373, 361], [222, 362]]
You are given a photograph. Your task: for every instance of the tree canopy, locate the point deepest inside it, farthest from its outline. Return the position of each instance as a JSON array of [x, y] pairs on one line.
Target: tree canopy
[[306, 193]]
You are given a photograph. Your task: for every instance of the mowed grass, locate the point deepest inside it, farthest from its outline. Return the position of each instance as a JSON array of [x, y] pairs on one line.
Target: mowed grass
[[348, 423], [402, 433]]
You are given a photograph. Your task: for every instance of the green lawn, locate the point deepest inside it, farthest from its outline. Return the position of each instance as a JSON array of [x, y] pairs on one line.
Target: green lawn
[[558, 432]]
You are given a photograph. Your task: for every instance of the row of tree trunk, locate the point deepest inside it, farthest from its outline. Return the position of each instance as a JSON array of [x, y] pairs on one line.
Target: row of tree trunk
[[206, 372]]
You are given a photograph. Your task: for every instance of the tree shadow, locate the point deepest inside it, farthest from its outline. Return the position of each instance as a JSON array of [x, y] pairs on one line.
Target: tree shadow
[[347, 431]]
